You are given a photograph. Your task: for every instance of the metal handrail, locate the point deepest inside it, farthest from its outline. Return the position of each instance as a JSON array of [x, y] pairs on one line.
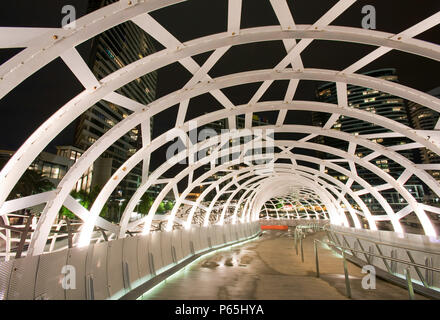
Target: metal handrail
[[380, 256], [299, 233], [347, 280], [377, 243], [344, 249], [381, 242]]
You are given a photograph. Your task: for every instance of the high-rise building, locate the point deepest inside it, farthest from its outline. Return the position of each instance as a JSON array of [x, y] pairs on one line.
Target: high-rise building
[[423, 118], [380, 103], [111, 51], [52, 166], [219, 126]]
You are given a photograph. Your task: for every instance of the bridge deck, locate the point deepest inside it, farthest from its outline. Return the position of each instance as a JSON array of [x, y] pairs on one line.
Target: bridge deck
[[268, 268]]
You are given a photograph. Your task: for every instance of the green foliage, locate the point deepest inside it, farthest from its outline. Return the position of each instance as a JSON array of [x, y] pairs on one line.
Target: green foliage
[[169, 206], [145, 204], [161, 208], [32, 182], [64, 212], [86, 199]]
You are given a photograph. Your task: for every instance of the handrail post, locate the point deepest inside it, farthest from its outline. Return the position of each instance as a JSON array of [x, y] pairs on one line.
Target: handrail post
[[23, 237], [347, 280], [302, 251], [316, 258], [296, 242], [409, 283], [69, 233]]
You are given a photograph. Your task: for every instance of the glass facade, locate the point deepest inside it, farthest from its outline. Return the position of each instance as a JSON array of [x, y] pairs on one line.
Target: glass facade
[[423, 118], [379, 103], [111, 51]]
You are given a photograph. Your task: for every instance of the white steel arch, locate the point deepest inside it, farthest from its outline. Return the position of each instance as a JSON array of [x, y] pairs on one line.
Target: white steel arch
[[44, 45]]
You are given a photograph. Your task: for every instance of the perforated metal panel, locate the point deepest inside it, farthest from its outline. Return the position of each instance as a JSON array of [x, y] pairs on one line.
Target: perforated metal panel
[[212, 237], [52, 270], [129, 257], [143, 260], [234, 232], [253, 227], [22, 283], [155, 250], [245, 227], [76, 257], [165, 245], [195, 238], [115, 268], [96, 279], [5, 275], [176, 242], [227, 231], [217, 235], [186, 250], [204, 244], [240, 231], [249, 230]]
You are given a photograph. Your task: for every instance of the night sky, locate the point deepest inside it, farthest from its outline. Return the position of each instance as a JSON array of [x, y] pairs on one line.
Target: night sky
[[30, 104]]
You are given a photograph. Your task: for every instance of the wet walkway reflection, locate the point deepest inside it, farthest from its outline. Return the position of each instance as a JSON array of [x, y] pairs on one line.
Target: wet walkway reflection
[[268, 268]]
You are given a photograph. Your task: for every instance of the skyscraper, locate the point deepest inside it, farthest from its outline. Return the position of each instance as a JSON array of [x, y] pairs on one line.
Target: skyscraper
[[380, 103], [423, 118], [111, 51]]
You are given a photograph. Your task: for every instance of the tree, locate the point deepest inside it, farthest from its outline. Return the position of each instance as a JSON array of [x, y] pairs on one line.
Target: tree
[[169, 205], [280, 204], [32, 182], [145, 204], [161, 208], [86, 199]]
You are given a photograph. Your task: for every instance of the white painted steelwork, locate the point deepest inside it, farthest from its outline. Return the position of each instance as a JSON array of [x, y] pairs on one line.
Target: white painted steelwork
[[247, 187]]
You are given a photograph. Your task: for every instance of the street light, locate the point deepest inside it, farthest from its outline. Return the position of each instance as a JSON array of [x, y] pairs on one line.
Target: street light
[[119, 210]]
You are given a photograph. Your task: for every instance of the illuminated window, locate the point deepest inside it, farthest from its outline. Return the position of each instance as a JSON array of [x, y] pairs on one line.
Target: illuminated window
[[326, 92], [113, 107], [55, 173]]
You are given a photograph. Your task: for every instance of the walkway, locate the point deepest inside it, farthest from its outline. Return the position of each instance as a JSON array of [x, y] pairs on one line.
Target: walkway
[[268, 268]]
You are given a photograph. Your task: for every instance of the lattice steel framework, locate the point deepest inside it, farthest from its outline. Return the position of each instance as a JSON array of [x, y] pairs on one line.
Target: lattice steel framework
[[245, 185]]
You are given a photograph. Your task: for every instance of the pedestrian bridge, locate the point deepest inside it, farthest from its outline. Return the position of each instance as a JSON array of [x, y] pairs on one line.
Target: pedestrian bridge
[[253, 174]]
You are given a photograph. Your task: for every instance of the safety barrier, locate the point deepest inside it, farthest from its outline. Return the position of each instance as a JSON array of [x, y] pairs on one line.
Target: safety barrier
[[293, 222], [401, 256], [110, 270]]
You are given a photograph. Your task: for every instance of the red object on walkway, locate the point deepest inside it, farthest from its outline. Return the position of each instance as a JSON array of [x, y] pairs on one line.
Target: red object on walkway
[[274, 227]]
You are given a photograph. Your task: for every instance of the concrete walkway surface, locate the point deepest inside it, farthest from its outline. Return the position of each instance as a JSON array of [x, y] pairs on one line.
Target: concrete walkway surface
[[269, 269]]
